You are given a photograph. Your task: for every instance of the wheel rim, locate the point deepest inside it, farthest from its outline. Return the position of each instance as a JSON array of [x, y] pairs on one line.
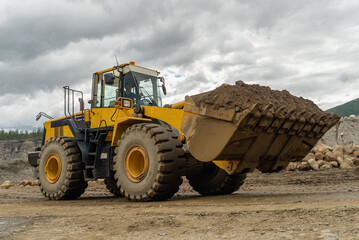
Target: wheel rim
[[136, 163], [52, 168]]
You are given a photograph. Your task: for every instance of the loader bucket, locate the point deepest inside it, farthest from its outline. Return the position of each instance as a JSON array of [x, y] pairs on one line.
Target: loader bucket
[[255, 125]]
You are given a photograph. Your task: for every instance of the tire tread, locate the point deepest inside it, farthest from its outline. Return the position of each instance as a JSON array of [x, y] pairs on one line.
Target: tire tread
[[74, 184], [170, 162]]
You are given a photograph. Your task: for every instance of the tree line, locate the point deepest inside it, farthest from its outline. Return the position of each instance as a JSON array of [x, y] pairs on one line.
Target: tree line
[[20, 134]]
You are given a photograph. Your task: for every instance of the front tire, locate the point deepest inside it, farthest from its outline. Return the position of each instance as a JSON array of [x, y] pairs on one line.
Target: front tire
[[60, 169], [148, 163]]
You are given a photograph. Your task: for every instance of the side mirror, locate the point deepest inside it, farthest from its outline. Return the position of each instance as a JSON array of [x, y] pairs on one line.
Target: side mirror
[[109, 78], [162, 80], [90, 102], [81, 104], [164, 90]]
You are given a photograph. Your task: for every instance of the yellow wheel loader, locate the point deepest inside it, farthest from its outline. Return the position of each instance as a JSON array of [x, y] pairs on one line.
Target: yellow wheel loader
[[142, 149]]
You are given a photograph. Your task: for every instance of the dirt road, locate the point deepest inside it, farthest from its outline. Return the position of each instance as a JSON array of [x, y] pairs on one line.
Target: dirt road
[[286, 205]]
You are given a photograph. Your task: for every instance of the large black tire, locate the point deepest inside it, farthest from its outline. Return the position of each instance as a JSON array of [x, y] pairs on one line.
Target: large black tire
[[212, 180], [64, 155], [112, 187], [160, 177]]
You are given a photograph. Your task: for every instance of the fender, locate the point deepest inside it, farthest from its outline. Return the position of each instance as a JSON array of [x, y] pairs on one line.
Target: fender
[[169, 115], [121, 124]]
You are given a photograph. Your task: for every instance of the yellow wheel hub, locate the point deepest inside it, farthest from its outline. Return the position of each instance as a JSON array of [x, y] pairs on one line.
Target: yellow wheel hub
[[136, 163], [52, 168]]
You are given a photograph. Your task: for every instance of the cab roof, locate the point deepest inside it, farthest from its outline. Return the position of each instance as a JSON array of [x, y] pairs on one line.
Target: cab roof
[[131, 66]]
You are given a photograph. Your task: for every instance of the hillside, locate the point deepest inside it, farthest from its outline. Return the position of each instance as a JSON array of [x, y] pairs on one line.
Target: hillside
[[13, 159], [346, 109]]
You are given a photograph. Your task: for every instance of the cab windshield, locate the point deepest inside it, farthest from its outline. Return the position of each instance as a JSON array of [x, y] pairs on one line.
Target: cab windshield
[[142, 89]]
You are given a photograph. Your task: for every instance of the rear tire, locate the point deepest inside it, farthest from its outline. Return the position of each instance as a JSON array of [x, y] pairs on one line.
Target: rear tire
[[60, 169], [112, 187], [148, 163], [212, 180]]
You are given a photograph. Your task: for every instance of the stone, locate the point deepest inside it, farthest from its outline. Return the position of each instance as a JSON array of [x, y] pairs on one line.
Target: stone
[[330, 156], [6, 184], [303, 166], [348, 150], [291, 166], [313, 164], [356, 161], [338, 151], [35, 183], [356, 153], [334, 164], [325, 166], [338, 147], [319, 156], [343, 164], [322, 149], [25, 183], [321, 162], [349, 161], [309, 156]]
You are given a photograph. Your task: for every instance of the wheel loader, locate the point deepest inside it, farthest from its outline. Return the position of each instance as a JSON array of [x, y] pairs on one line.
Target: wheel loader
[[143, 149]]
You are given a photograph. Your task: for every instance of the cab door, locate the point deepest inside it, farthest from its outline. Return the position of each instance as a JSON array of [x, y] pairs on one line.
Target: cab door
[[106, 88]]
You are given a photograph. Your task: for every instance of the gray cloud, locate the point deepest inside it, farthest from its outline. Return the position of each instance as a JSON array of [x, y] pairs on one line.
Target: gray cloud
[[307, 47], [31, 29], [348, 77]]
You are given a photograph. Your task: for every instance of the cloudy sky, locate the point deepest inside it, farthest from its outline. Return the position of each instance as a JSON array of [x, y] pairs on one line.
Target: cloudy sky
[[310, 48]]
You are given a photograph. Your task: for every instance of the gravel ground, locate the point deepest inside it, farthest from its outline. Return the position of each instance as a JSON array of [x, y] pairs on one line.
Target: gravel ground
[[285, 205]]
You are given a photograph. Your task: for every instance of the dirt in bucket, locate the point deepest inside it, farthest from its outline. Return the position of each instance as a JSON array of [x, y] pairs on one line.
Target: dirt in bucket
[[242, 96]]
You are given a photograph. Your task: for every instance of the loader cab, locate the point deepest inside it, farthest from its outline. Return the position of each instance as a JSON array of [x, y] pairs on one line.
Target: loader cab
[[127, 80]]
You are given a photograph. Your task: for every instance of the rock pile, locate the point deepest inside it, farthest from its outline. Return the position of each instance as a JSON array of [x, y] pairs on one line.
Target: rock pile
[[345, 132], [325, 157], [7, 184]]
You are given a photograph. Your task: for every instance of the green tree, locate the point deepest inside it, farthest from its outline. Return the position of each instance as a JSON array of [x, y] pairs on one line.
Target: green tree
[[20, 134]]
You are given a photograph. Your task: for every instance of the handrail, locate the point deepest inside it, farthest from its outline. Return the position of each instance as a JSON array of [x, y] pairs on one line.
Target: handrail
[[98, 129], [38, 116], [67, 110]]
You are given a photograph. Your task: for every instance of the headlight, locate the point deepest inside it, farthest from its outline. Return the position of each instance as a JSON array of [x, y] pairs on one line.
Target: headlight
[[126, 103]]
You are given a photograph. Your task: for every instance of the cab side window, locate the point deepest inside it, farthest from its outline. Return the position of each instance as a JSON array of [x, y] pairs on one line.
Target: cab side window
[[99, 87], [105, 89], [110, 90]]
